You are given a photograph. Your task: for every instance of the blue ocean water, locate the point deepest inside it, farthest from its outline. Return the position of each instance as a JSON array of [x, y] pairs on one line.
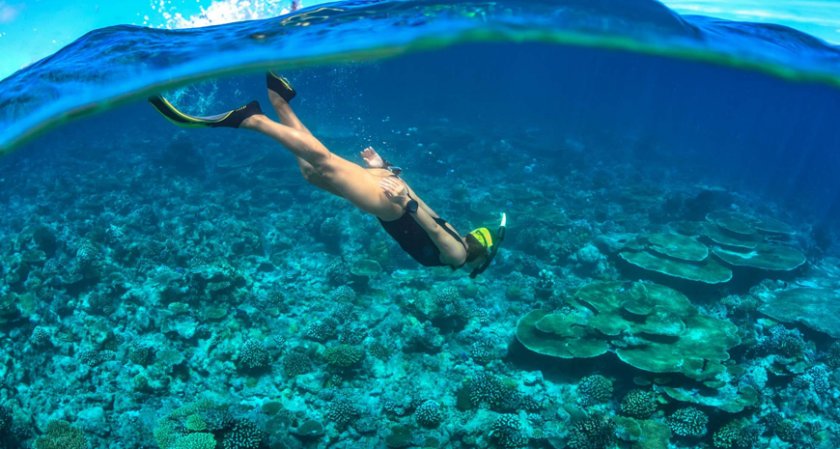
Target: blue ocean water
[[668, 279]]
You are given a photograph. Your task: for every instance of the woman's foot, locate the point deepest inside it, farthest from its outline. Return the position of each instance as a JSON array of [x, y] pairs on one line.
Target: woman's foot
[[235, 117], [372, 158]]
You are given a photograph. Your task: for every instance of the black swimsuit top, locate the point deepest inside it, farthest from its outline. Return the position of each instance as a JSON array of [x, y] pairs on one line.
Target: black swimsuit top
[[414, 240]]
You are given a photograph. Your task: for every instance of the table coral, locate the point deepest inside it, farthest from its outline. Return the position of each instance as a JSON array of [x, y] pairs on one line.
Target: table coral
[[648, 326]]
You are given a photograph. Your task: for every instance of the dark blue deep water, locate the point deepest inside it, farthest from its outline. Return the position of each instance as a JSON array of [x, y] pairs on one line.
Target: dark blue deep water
[[669, 276]]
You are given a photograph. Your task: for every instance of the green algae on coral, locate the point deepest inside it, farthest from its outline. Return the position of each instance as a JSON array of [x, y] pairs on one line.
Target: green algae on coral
[[677, 246], [816, 308], [768, 257], [707, 272]]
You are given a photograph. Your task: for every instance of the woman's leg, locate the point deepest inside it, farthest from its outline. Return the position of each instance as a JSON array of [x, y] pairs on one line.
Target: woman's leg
[[290, 119], [320, 166]]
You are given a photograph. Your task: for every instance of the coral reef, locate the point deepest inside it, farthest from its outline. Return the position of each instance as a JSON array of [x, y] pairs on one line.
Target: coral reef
[[212, 303]]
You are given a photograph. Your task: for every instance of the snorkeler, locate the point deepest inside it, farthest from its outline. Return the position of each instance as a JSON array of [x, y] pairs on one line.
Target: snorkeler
[[376, 189]]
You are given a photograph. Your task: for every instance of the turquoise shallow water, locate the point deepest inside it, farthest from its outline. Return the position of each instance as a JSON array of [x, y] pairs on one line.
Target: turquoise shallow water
[[668, 279]]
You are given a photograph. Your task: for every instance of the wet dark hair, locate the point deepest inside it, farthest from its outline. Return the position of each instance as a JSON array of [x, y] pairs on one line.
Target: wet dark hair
[[474, 249]]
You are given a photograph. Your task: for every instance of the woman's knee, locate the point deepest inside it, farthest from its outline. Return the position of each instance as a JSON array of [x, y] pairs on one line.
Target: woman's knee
[[310, 174], [317, 175], [325, 167]]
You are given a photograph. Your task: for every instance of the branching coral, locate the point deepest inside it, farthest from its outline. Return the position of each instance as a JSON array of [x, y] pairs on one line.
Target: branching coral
[[60, 435], [738, 434], [342, 411], [253, 356], [592, 432], [688, 422], [595, 389], [429, 414], [243, 434], [507, 432], [321, 331], [639, 404], [296, 362], [195, 441], [344, 356], [485, 390]]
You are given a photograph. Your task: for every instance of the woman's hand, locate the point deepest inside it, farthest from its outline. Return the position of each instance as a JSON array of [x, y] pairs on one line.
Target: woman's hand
[[372, 158], [395, 190]]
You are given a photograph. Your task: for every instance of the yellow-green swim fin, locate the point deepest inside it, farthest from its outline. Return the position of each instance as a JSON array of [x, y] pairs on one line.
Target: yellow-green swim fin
[[229, 119]]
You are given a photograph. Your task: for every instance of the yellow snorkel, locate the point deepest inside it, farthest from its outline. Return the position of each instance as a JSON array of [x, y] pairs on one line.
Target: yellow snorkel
[[485, 238]]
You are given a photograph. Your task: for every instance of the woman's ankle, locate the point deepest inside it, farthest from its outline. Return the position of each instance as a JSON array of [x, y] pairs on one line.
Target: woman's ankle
[[254, 122]]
